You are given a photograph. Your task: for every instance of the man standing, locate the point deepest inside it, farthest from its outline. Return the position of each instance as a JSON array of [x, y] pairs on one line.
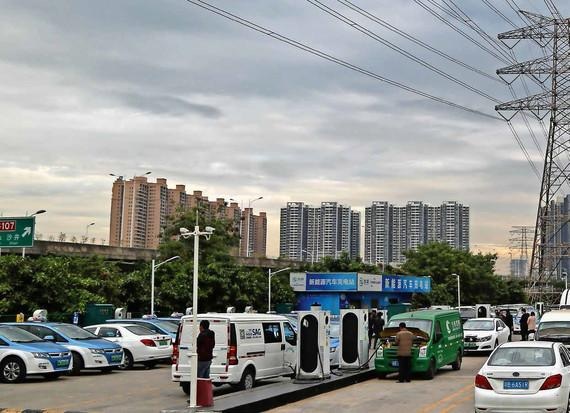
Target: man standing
[[205, 346], [404, 341], [524, 325], [509, 322]]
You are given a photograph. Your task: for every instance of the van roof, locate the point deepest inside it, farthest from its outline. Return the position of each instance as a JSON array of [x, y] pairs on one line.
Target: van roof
[[562, 315], [239, 317], [425, 314]]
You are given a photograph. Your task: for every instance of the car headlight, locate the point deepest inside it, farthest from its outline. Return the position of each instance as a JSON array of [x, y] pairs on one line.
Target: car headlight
[[423, 351], [97, 351], [41, 355], [486, 338]]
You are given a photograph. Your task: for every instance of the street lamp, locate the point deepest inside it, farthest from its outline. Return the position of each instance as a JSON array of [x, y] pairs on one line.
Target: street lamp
[[121, 177], [154, 267], [185, 233], [271, 275], [458, 291], [38, 212], [87, 229], [311, 254], [251, 201]]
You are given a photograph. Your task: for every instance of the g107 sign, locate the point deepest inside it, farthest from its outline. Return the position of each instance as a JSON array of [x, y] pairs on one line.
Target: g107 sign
[[406, 284], [17, 232]]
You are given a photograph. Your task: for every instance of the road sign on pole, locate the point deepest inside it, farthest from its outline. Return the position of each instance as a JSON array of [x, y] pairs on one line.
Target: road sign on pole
[[17, 232]]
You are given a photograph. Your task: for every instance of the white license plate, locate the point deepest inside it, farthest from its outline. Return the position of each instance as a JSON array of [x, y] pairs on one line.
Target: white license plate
[[470, 345], [395, 363]]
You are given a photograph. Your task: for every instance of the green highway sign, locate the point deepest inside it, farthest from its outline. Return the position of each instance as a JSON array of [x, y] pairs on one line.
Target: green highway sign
[[17, 232]]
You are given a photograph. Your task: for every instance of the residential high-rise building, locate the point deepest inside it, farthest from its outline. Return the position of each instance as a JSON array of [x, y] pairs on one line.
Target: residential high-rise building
[[253, 234], [311, 233], [391, 230], [139, 212]]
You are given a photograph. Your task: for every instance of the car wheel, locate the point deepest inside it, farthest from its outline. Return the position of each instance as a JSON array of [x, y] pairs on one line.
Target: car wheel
[[185, 387], [456, 365], [77, 364], [248, 379], [127, 361], [13, 370], [430, 373]]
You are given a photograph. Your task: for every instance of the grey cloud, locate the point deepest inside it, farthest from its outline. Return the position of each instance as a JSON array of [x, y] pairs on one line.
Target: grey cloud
[[169, 105]]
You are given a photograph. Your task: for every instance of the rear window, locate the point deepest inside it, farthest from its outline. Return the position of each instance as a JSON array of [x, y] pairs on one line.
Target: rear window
[[522, 356], [140, 330], [233, 338]]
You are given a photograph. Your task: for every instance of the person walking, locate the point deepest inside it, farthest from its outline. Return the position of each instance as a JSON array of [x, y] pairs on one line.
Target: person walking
[[378, 327], [371, 326], [509, 322], [404, 341], [532, 323], [524, 324], [205, 346]]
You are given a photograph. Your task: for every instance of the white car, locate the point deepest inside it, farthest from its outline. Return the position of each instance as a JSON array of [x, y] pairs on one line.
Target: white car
[[140, 344], [524, 376], [484, 334]]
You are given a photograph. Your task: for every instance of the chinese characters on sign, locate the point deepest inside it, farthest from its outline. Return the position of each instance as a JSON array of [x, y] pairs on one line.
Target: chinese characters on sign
[[331, 282], [17, 232], [406, 284], [359, 282]]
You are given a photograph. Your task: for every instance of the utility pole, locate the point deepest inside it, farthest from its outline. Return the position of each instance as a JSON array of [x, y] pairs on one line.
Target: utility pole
[[518, 247], [552, 73]]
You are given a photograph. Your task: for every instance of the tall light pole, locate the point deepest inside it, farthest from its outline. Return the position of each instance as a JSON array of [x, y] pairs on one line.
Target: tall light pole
[[185, 233], [271, 275], [311, 254], [38, 212], [87, 229], [249, 213], [458, 291], [154, 267]]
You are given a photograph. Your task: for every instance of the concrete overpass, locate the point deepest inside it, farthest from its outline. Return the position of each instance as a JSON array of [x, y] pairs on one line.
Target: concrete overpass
[[74, 249]]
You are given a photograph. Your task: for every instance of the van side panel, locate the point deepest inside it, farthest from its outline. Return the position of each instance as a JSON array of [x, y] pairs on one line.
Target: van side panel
[[251, 347]]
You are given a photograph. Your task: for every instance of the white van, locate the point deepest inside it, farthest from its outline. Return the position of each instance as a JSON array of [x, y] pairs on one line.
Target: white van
[[249, 347], [554, 326]]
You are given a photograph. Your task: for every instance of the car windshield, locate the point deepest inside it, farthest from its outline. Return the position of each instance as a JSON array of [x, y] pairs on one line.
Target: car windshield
[[140, 330], [74, 332], [17, 335], [554, 329], [467, 312], [479, 325], [424, 325], [522, 356], [170, 326], [335, 330]]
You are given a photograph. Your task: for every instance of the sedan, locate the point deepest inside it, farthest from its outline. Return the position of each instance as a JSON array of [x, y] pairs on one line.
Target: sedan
[[527, 376], [22, 354], [484, 334], [140, 344]]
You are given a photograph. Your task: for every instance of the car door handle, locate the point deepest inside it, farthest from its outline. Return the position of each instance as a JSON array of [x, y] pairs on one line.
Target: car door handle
[[282, 346]]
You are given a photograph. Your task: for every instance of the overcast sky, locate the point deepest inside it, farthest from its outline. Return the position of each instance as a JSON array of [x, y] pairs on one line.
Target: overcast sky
[[91, 88]]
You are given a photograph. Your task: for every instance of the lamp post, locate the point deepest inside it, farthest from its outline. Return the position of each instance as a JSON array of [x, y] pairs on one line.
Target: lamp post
[[38, 212], [311, 254], [87, 229], [121, 177], [251, 201], [154, 267], [185, 233], [458, 291], [271, 275]]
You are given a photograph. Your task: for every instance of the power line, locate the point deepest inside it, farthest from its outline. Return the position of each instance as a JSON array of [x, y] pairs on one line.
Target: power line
[[375, 36], [414, 40], [326, 56], [500, 14]]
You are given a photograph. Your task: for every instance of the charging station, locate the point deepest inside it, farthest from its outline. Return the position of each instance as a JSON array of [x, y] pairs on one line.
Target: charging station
[[313, 348], [483, 310], [353, 339]]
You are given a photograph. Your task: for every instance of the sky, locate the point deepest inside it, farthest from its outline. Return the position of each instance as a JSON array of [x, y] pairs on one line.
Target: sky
[[92, 88]]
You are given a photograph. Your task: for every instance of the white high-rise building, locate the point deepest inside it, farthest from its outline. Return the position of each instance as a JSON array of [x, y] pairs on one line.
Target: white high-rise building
[[392, 230], [293, 235]]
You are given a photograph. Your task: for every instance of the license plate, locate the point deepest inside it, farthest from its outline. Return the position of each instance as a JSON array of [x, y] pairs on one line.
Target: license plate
[[62, 363], [515, 385], [162, 342], [394, 363], [116, 357], [470, 345]]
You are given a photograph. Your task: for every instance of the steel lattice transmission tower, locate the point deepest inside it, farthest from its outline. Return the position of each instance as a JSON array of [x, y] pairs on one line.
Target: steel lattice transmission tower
[[553, 35]]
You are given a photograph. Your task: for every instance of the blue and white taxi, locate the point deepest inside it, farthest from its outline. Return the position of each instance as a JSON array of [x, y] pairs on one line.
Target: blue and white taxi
[[87, 350], [23, 354]]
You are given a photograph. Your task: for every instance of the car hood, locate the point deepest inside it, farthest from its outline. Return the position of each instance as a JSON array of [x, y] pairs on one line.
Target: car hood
[[41, 347], [478, 333]]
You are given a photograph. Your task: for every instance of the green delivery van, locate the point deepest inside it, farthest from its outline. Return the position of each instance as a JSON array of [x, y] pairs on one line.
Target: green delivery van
[[438, 342]]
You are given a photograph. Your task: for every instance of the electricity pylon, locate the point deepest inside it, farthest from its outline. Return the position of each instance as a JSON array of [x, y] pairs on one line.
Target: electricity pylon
[[553, 35]]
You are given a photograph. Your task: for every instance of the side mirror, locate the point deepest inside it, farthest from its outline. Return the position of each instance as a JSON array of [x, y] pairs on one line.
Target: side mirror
[[499, 328], [49, 338]]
